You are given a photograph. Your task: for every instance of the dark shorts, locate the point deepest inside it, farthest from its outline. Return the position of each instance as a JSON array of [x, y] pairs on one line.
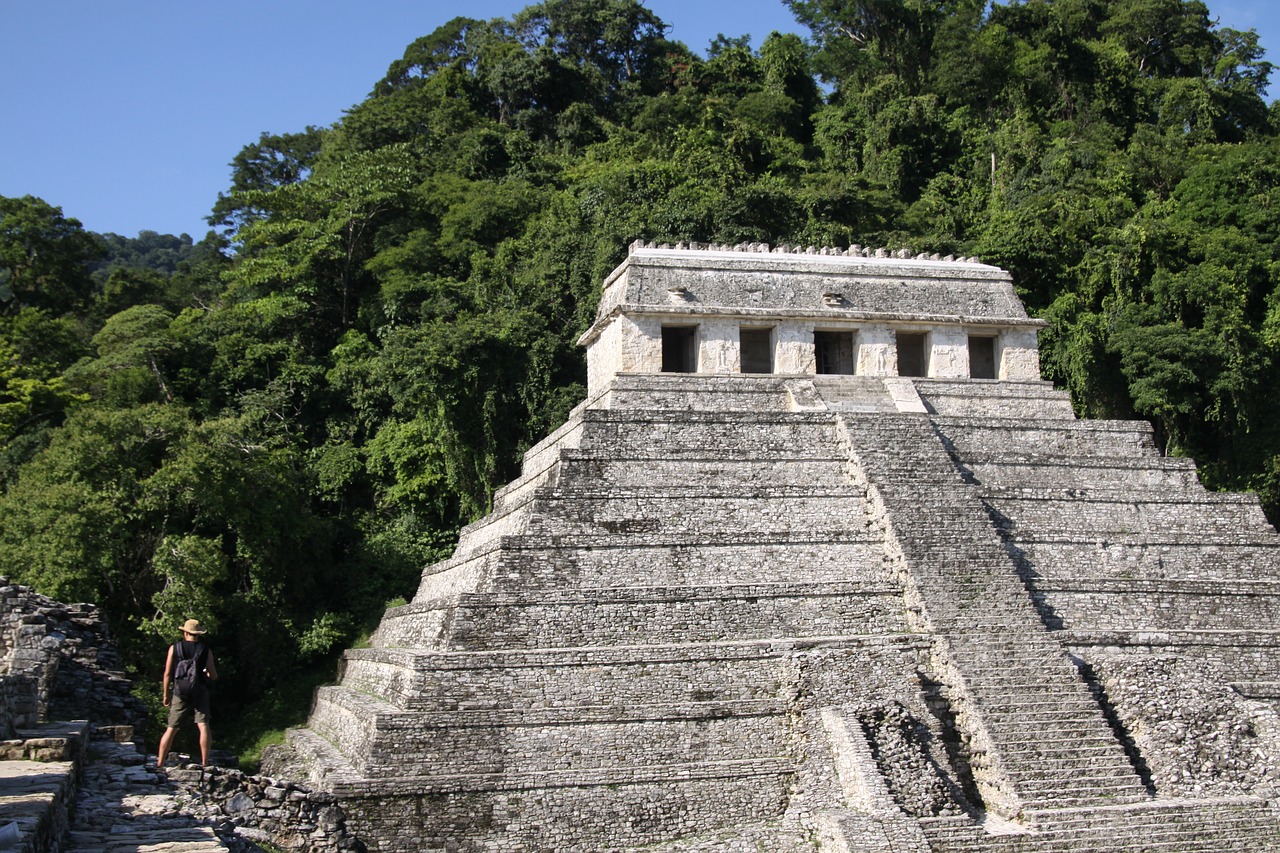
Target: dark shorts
[[196, 705]]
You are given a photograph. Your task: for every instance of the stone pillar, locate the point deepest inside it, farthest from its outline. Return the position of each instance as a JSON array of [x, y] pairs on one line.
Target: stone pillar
[[1018, 355], [718, 347], [877, 351], [603, 357], [949, 353], [793, 350], [639, 345]]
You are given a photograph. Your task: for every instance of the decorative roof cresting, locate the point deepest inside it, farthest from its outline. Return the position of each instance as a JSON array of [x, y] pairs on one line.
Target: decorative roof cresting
[[854, 251]]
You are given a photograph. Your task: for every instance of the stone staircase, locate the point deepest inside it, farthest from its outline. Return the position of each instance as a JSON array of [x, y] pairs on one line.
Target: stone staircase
[[1124, 548], [1044, 741]]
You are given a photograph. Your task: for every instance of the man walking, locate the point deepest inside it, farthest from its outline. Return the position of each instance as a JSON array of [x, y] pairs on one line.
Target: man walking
[[190, 696]]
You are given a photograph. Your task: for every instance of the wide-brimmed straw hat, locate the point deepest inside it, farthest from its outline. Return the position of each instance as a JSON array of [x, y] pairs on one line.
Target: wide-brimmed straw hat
[[193, 626]]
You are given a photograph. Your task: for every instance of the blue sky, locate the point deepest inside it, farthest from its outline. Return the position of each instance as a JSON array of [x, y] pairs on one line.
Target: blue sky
[[126, 114]]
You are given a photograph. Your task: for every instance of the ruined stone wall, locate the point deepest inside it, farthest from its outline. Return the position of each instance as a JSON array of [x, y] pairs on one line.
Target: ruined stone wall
[[19, 702], [65, 651]]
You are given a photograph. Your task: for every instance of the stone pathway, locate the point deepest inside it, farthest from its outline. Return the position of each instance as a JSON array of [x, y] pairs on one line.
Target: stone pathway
[[125, 806]]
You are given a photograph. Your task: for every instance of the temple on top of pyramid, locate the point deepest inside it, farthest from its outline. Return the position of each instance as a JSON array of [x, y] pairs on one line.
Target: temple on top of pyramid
[[822, 564], [697, 308]]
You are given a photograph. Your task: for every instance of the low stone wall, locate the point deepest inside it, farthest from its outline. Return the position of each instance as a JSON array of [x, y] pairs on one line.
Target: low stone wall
[[40, 771], [264, 810]]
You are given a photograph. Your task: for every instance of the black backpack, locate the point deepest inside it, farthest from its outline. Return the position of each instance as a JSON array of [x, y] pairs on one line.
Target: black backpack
[[185, 675]]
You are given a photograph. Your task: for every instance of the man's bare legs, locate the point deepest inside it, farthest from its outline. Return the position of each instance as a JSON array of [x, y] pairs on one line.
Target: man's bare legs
[[166, 741], [205, 740]]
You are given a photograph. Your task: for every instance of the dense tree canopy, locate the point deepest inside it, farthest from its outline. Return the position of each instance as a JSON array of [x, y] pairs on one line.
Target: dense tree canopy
[[273, 429]]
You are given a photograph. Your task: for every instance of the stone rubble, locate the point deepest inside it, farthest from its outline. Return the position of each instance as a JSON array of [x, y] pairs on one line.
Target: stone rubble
[[125, 806]]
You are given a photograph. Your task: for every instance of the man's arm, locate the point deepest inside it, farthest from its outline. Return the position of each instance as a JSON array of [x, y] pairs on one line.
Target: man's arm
[[210, 668], [168, 677]]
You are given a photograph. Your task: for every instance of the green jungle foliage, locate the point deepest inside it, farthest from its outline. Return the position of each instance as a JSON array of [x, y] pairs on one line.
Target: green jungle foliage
[[275, 428]]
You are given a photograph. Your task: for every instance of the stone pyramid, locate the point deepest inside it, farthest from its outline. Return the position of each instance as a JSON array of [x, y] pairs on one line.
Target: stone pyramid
[[821, 564]]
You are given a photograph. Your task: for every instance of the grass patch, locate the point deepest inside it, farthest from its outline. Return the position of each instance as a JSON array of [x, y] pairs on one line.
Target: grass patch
[[264, 722]]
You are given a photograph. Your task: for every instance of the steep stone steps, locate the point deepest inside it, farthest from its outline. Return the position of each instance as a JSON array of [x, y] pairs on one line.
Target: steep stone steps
[[972, 595], [1041, 713], [1106, 604], [1247, 655], [1013, 470], [1157, 557], [1127, 514], [1034, 437]]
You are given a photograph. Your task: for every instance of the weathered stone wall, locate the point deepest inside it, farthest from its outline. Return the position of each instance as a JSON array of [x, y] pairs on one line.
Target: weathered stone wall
[[65, 649], [19, 702]]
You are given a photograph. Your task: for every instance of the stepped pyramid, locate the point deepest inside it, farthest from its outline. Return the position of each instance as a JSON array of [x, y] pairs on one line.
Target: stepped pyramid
[[821, 564]]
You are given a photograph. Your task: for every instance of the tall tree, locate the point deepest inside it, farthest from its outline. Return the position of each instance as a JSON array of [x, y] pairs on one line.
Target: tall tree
[[44, 257]]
